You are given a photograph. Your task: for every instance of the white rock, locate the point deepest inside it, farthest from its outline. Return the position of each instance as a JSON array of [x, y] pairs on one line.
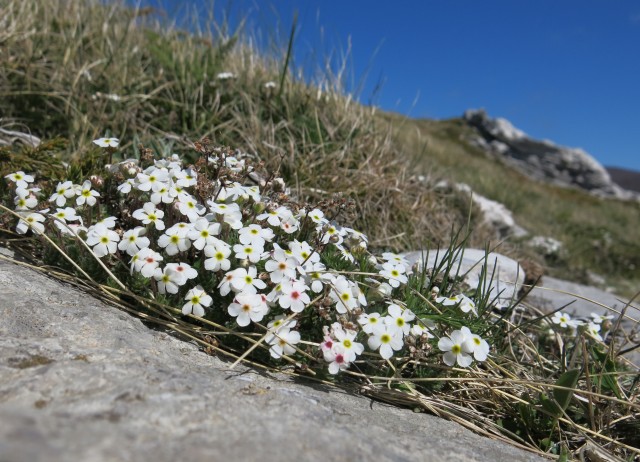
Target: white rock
[[494, 213], [508, 276], [546, 245]]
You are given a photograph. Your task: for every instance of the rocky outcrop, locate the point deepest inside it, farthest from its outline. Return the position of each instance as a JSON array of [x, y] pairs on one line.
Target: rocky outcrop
[[542, 159], [84, 381], [494, 214]]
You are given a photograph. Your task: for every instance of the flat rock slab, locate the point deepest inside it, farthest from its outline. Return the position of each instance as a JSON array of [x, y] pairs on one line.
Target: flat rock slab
[[581, 301], [83, 381]]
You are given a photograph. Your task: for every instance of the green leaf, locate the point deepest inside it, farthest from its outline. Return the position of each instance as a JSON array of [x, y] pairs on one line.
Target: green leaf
[[550, 406], [569, 380], [561, 397]]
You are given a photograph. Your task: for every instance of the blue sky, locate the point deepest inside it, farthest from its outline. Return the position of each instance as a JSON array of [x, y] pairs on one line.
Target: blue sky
[[564, 70]]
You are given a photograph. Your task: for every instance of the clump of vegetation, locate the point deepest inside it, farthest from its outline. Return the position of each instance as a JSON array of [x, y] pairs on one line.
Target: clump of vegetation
[[253, 252]]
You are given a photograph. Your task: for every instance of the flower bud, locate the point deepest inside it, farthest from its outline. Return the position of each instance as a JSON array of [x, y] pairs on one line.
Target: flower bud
[[259, 207], [96, 181]]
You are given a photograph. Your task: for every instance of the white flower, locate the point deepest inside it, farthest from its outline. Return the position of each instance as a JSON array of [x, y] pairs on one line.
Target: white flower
[[125, 188], [230, 212], [164, 193], [419, 330], [109, 222], [24, 199], [31, 221], [146, 261], [275, 217], [317, 216], [270, 84], [336, 359], [203, 233], [103, 240], [225, 76], [303, 252], [66, 215], [600, 318], [150, 214], [246, 280], [316, 276], [395, 258], [181, 227], [386, 340], [398, 319], [248, 307], [279, 322], [280, 267], [476, 345], [456, 348], [394, 274], [282, 342], [248, 252], [466, 305], [345, 254], [169, 281], [218, 256], [184, 269], [63, 192], [342, 294], [448, 301], [255, 235], [153, 179], [331, 233], [197, 299], [564, 320], [174, 241], [593, 329], [346, 340], [86, 195], [133, 240], [107, 142], [186, 178], [21, 179], [290, 225], [370, 322], [190, 207], [293, 296]]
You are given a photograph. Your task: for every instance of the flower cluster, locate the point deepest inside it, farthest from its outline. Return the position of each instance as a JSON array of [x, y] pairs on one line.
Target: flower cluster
[[595, 327], [206, 239]]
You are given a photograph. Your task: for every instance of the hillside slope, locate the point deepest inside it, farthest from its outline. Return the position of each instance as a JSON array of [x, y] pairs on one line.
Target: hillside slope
[[598, 236]]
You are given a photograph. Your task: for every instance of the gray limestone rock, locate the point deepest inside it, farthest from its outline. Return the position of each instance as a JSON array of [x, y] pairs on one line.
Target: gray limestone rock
[[83, 381], [507, 274], [542, 159], [581, 301]]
